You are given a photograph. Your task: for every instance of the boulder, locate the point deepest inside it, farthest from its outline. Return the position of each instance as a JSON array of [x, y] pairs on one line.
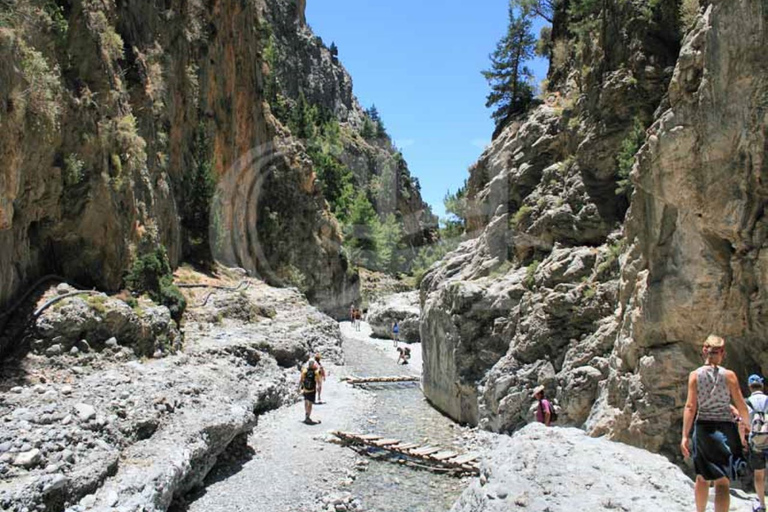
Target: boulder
[[542, 469], [402, 308]]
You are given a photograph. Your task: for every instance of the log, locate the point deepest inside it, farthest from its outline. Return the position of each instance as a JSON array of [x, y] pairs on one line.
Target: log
[[371, 380]]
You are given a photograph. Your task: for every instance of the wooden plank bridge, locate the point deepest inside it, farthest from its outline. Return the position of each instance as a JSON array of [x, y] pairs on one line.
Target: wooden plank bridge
[[432, 458], [374, 380]]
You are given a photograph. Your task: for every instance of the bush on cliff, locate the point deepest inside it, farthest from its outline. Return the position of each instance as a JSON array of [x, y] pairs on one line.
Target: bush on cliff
[[151, 274]]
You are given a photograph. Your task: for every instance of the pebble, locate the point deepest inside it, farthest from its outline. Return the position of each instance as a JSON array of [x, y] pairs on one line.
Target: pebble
[[66, 390], [85, 412], [63, 289], [111, 499], [74, 351], [17, 389], [28, 459], [39, 389], [53, 350], [111, 342]]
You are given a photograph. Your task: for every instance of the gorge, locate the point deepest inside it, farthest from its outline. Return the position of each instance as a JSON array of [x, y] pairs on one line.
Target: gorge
[[192, 197]]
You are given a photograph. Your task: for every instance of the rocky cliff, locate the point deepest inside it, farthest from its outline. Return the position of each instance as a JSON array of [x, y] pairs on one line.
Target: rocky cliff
[[108, 111], [696, 230], [303, 67], [557, 289], [530, 299]]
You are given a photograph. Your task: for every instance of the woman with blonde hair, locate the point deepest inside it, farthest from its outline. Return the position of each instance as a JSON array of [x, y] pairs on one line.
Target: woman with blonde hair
[[718, 455]]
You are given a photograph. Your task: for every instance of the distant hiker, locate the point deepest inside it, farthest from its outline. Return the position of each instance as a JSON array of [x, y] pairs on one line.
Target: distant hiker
[[544, 407], [308, 387], [405, 355], [757, 403], [396, 332], [716, 446], [352, 314], [358, 316], [319, 378]]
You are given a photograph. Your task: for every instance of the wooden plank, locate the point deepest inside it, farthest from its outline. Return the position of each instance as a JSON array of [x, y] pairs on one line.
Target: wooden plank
[[444, 455], [368, 437], [406, 446], [427, 450], [385, 442], [463, 459]]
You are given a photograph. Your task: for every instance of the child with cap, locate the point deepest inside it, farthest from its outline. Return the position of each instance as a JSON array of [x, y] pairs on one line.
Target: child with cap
[[757, 403]]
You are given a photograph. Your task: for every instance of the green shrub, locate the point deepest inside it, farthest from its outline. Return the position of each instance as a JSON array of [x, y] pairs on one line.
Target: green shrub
[[43, 88], [151, 274], [689, 11], [520, 215], [530, 274], [73, 170], [626, 158]]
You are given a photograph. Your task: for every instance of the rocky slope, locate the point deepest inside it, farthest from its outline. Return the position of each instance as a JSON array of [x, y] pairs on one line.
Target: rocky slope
[[303, 66], [527, 472], [108, 111], [101, 427], [556, 290]]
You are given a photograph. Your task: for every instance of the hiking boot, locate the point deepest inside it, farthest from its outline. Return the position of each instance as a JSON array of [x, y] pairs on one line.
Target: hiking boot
[[310, 421], [756, 507]]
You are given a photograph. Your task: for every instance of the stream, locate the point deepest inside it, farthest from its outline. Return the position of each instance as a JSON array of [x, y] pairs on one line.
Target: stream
[[401, 412]]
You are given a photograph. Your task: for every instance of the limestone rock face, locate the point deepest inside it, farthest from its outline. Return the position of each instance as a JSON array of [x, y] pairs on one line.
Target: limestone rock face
[[696, 260], [128, 100], [401, 307], [531, 299], [559, 470]]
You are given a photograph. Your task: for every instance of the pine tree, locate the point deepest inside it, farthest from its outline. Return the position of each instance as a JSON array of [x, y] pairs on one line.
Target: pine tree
[[375, 117], [334, 53], [362, 228], [199, 187], [509, 77], [543, 8]]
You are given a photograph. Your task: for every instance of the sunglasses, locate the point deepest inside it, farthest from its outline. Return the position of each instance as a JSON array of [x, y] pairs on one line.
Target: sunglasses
[[715, 351]]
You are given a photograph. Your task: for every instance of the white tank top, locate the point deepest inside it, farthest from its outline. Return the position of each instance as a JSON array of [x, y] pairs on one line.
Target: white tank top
[[713, 396]]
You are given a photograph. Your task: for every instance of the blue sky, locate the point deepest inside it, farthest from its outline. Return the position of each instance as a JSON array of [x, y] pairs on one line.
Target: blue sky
[[419, 61]]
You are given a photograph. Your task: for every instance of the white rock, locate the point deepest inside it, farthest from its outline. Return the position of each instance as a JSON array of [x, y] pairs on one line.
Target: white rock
[[85, 412], [28, 459]]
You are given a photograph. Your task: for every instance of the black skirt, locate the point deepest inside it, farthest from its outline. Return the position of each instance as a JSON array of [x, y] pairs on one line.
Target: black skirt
[[717, 450]]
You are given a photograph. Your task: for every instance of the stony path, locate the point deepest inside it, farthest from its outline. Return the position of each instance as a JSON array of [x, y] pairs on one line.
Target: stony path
[[293, 466]]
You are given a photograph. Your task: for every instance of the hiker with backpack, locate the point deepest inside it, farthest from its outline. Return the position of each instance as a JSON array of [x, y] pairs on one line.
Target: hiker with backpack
[[545, 412], [308, 388], [757, 403], [716, 445]]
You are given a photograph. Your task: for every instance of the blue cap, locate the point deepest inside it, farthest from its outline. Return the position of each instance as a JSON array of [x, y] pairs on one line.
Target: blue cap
[[754, 379]]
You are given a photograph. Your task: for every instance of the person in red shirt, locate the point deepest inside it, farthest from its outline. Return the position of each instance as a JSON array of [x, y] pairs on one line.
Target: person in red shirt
[[544, 408]]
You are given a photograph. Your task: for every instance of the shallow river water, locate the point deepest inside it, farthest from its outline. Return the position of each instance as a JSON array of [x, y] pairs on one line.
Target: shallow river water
[[401, 412]]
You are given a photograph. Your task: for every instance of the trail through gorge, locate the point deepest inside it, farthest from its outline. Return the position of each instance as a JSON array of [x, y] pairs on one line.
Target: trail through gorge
[[293, 467]]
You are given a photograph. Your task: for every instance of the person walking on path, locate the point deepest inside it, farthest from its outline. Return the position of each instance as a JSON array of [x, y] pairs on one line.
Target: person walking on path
[[718, 455], [396, 332], [544, 408], [757, 403], [308, 388], [319, 379]]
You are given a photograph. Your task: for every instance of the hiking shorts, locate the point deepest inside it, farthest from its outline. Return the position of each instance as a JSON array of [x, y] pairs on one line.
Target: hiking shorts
[[757, 460], [717, 450], [309, 396]]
